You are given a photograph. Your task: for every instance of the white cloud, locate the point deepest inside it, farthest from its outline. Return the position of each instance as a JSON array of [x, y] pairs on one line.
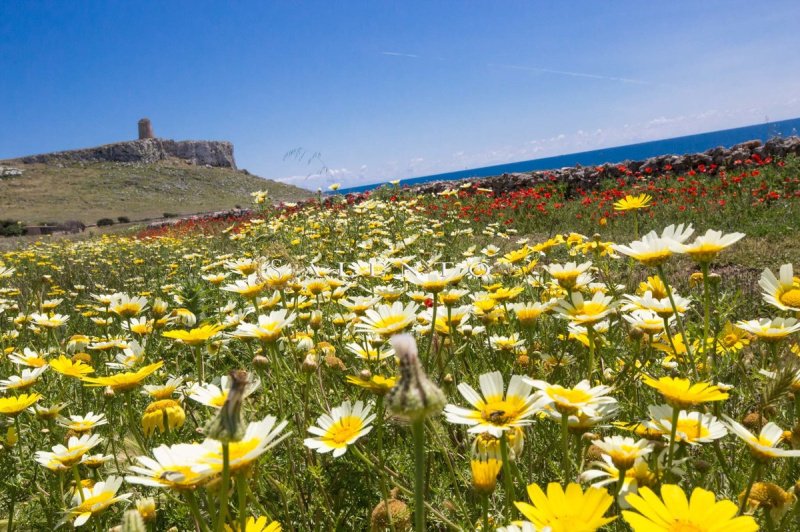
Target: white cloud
[[569, 73], [399, 54], [658, 127]]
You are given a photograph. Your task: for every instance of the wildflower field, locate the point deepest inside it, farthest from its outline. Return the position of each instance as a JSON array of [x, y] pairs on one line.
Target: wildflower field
[[618, 358]]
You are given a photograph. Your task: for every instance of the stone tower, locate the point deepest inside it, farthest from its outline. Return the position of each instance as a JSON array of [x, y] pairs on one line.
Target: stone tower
[[145, 129]]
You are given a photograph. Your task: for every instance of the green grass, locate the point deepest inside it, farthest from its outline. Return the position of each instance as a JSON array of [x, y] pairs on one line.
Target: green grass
[[90, 191]]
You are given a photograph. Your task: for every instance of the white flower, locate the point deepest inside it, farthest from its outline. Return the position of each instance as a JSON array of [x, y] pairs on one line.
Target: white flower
[[623, 450], [583, 399], [495, 411], [179, 466], [692, 427], [654, 250], [344, 425], [782, 292], [765, 445], [95, 499], [770, 330]]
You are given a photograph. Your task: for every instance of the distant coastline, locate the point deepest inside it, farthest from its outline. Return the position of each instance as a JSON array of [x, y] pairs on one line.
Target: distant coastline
[[639, 151]]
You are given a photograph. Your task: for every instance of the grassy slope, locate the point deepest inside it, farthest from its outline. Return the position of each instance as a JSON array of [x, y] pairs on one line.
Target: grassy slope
[[90, 191]]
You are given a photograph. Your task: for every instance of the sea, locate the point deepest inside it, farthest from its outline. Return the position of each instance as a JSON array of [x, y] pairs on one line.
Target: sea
[[633, 152]]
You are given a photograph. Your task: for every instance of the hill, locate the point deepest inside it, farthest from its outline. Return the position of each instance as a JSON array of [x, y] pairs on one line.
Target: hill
[[63, 189]]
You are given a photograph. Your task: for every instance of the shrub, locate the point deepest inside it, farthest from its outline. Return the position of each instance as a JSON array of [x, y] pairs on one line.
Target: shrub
[[104, 221], [170, 215], [123, 219], [11, 228]]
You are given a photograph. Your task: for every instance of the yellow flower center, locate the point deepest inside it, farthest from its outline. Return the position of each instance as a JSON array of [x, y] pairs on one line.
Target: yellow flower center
[[239, 449], [219, 400], [500, 412], [730, 340], [100, 499], [392, 323], [704, 252], [654, 258], [568, 396], [592, 308], [692, 429], [343, 431], [791, 298]]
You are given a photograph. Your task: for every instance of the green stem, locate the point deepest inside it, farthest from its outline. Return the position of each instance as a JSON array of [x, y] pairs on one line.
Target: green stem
[[418, 431], [722, 463], [195, 511], [77, 478], [508, 477], [404, 490], [11, 500], [620, 484], [673, 430], [485, 512], [426, 362], [241, 490], [753, 475], [198, 357], [678, 319], [565, 463], [592, 347], [223, 489], [707, 319]]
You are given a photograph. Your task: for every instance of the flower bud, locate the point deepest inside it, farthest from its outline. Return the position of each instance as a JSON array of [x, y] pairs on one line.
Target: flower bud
[[132, 522], [414, 397], [260, 361], [146, 508], [316, 320], [228, 425], [392, 511], [310, 363], [11, 436], [334, 362]]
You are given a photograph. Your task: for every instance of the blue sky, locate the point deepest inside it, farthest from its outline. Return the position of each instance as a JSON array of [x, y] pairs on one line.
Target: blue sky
[[360, 92]]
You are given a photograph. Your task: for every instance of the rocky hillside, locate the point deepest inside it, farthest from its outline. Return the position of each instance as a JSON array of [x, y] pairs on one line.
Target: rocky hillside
[[56, 188], [149, 150]]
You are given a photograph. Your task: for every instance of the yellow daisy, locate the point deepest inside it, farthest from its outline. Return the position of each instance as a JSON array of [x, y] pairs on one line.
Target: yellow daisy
[[123, 382], [702, 513], [680, 393], [633, 203], [70, 368], [196, 336], [572, 510], [12, 406]]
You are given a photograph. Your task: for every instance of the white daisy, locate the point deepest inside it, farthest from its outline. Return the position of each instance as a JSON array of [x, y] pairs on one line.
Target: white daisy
[[342, 427]]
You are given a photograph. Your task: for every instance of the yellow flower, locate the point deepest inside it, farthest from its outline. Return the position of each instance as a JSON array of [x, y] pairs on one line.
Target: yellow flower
[[703, 513], [570, 511], [160, 413], [681, 393], [771, 497], [196, 336], [506, 294], [633, 203], [123, 382], [257, 525], [12, 406], [67, 367], [485, 467], [654, 285], [377, 384]]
